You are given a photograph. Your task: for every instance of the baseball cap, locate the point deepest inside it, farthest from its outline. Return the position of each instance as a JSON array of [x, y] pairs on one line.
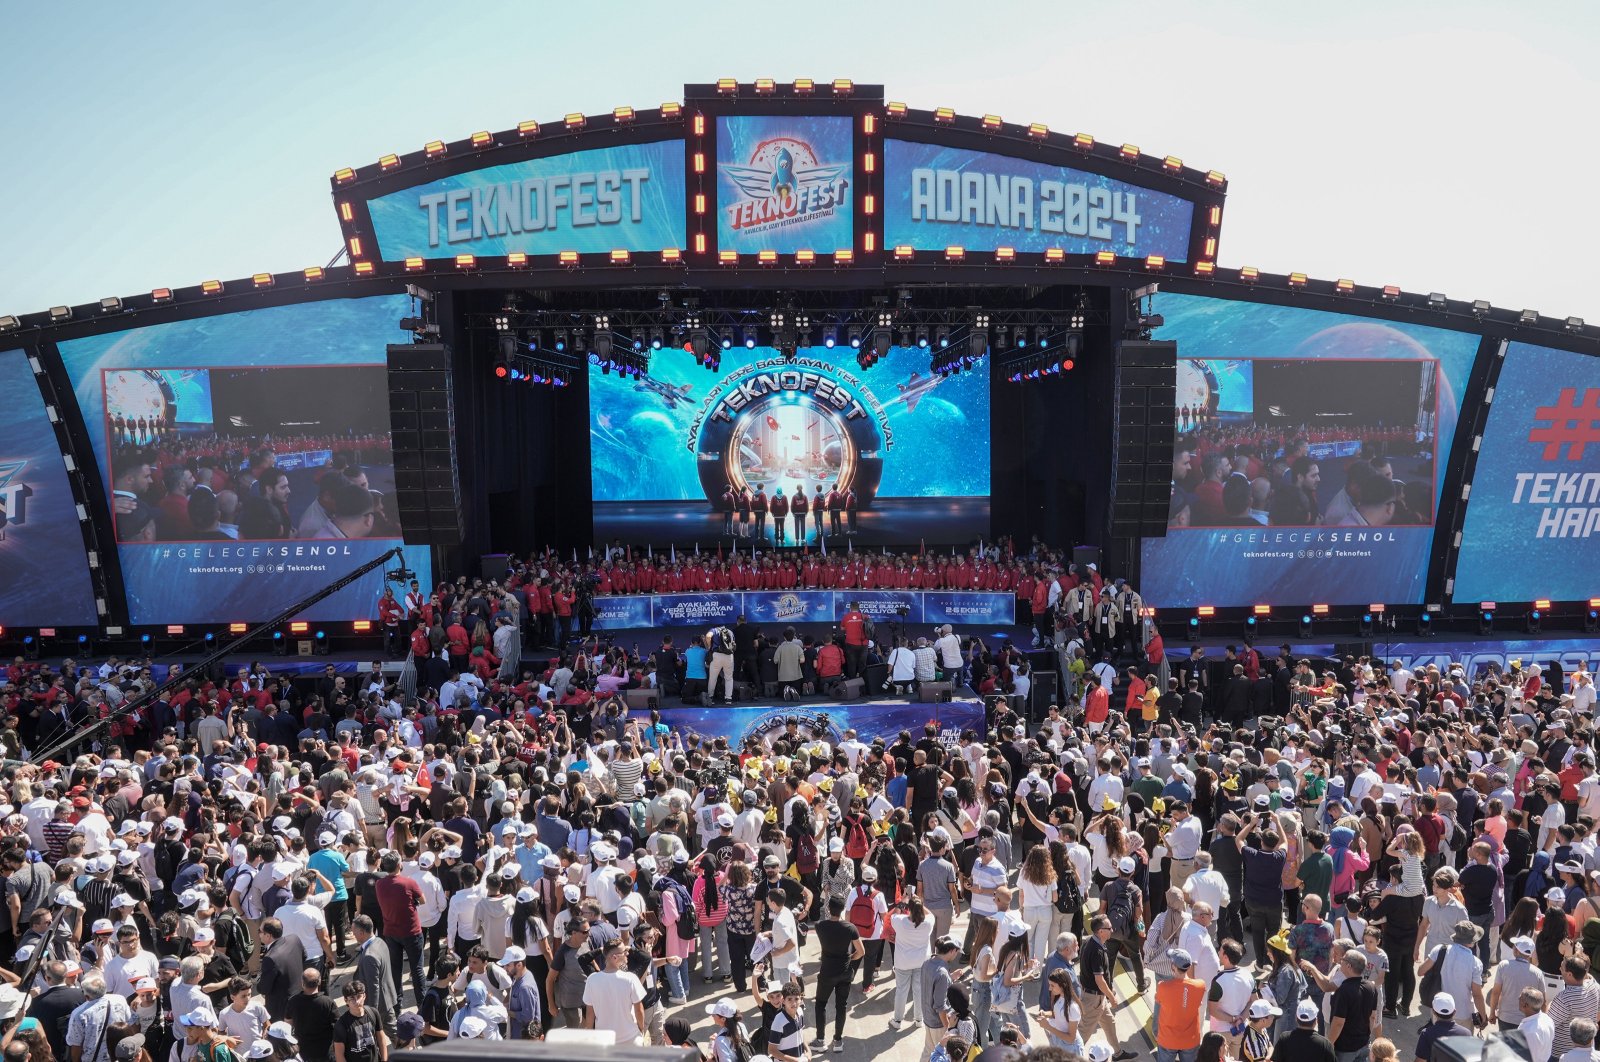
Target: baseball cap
[[1262, 1009], [572, 893], [259, 1049], [1180, 958], [409, 1025], [473, 1027], [1522, 945], [204, 935], [551, 862], [836, 845], [513, 954], [724, 1008], [1306, 1011], [869, 874], [1443, 1003], [771, 861], [1098, 1052], [102, 925], [725, 821], [129, 1046], [1127, 865], [282, 1030], [201, 1018]]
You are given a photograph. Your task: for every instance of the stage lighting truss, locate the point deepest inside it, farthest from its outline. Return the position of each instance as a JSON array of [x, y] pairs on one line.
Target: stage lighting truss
[[1028, 343]]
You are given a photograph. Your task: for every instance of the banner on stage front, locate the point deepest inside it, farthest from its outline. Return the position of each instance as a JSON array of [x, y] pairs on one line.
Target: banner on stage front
[[694, 610], [1570, 653], [961, 606], [628, 197], [904, 605], [789, 606], [631, 611], [827, 723]]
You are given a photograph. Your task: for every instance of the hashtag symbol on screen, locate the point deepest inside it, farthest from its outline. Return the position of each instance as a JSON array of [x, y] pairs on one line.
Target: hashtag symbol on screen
[[1572, 424]]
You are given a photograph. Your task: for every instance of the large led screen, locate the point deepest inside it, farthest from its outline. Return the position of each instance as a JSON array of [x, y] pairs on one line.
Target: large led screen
[[627, 198], [784, 184], [1533, 518], [936, 197], [1311, 444], [907, 451], [247, 458], [44, 577]]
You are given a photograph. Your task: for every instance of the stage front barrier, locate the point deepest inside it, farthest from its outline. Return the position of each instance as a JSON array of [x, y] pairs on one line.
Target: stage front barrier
[[828, 722], [973, 608]]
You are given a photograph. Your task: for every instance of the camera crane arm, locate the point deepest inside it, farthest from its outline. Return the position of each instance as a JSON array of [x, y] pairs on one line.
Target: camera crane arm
[[93, 730]]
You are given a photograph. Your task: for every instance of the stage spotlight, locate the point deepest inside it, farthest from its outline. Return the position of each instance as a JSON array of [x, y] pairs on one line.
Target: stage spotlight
[[600, 342], [1366, 625], [1485, 621], [1192, 630], [1425, 624], [502, 370], [656, 339], [280, 644], [1305, 625], [978, 338], [1250, 627], [561, 340], [854, 335], [941, 337], [1591, 618], [922, 338], [1533, 621], [319, 643], [830, 337], [30, 646]]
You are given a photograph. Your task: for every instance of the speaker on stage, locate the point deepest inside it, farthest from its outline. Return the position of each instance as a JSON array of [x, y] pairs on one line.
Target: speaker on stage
[[422, 431], [1146, 423], [877, 676], [1044, 692]]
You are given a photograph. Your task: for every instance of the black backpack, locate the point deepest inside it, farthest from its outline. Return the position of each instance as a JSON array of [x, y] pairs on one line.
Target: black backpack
[[232, 939], [1120, 910]]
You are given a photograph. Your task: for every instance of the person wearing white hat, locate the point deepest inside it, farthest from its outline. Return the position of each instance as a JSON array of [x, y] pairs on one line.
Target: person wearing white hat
[[730, 1041], [522, 998], [1443, 1006], [1511, 976]]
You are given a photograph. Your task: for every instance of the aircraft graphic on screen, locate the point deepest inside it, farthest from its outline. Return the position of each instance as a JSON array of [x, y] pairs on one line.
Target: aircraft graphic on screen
[[667, 393], [913, 389]]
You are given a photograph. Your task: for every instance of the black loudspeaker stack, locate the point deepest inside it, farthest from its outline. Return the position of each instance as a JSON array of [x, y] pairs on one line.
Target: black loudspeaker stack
[[422, 432], [1146, 397]]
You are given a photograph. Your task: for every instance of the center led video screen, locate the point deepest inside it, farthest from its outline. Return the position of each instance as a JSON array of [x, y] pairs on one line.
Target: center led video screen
[[907, 450], [1311, 448], [246, 458]]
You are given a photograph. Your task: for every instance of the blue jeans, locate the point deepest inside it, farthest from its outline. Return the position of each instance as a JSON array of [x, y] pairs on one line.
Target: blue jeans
[[677, 979], [981, 1017], [1167, 1054]]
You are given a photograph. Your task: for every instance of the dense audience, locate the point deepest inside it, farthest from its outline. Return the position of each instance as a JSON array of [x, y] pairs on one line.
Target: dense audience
[[1280, 854]]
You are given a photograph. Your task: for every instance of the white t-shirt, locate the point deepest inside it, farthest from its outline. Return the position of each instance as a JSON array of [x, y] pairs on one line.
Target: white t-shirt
[[1036, 895], [303, 920], [911, 942], [785, 932], [612, 995], [949, 649]]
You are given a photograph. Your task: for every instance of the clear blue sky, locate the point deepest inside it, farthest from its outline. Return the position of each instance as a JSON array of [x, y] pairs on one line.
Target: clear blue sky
[[1444, 147]]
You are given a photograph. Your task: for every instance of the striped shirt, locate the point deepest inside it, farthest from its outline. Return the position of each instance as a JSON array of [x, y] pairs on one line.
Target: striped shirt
[[1573, 1001], [625, 774]]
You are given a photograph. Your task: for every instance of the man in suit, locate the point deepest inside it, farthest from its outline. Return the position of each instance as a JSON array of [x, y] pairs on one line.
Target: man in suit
[[55, 1005], [283, 960], [374, 968]]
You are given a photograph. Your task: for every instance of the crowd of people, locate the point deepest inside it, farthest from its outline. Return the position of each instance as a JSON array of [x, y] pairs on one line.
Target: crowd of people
[[1249, 476], [183, 488], [1277, 854]]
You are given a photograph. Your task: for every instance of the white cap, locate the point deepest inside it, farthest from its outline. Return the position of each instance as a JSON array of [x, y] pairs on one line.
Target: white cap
[[1306, 1011], [513, 954], [836, 845], [509, 872], [526, 894], [452, 851], [127, 857], [1443, 1003], [282, 1030], [473, 1027], [102, 925], [725, 821], [869, 874], [1522, 945], [200, 1018], [1127, 865], [426, 860], [1262, 1009], [123, 899], [1098, 1052], [551, 862], [204, 935], [260, 1049], [723, 1008], [572, 893], [324, 840], [680, 857]]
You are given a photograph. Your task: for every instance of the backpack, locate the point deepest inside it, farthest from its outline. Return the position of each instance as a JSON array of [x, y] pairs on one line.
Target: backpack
[[1433, 980], [867, 627], [232, 939], [805, 852], [1120, 910], [856, 841], [722, 641], [862, 911], [1069, 897], [688, 922]]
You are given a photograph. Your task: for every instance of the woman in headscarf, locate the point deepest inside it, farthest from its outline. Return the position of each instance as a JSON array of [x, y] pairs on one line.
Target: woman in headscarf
[[1348, 860]]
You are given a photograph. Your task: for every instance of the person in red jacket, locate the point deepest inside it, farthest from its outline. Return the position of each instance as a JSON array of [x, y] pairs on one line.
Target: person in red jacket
[[1097, 704], [780, 517], [457, 644], [850, 507], [799, 507], [389, 618], [758, 505], [854, 625], [563, 599], [419, 639]]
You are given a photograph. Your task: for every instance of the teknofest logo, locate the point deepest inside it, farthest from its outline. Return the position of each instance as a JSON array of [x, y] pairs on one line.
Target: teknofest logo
[[1567, 499], [784, 183], [14, 495]]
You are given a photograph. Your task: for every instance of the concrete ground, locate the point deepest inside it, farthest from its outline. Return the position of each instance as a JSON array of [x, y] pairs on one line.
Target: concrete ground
[[867, 1031]]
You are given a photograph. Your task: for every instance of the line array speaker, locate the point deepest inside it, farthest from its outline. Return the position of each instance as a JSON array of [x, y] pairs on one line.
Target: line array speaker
[[1146, 397], [422, 432]]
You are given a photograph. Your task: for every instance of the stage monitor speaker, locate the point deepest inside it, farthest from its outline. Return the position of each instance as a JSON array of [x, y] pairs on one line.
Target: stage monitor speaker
[[1044, 693], [1146, 394], [422, 433], [877, 676]]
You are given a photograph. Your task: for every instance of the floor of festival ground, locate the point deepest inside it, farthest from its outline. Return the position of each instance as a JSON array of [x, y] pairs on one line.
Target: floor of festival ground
[[867, 1031]]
